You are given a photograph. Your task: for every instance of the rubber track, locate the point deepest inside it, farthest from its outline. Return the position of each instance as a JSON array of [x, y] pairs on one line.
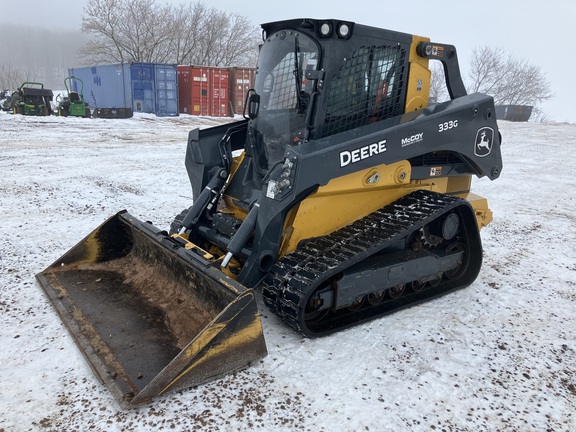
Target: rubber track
[[293, 278]]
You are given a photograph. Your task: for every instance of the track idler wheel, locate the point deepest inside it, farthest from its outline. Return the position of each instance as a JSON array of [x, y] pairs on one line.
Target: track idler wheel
[[458, 271], [314, 311]]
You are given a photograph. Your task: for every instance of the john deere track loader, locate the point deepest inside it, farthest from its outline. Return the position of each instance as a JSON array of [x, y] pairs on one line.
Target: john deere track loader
[[342, 195]]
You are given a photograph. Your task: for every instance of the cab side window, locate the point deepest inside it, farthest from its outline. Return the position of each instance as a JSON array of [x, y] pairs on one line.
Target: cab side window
[[369, 87]]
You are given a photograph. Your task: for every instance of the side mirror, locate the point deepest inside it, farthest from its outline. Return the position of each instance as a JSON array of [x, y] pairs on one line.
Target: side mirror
[[253, 104]]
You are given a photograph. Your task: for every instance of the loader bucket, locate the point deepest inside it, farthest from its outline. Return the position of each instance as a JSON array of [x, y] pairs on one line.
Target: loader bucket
[[149, 314]]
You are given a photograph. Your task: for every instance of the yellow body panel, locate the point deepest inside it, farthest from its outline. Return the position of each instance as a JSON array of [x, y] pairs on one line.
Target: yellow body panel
[[346, 199], [418, 89], [227, 204], [480, 204]]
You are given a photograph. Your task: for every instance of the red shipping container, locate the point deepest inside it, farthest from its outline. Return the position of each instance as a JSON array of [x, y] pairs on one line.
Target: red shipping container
[[241, 80], [203, 91]]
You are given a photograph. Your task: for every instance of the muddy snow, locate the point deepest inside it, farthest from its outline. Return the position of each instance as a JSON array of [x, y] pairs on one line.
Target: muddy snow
[[498, 355]]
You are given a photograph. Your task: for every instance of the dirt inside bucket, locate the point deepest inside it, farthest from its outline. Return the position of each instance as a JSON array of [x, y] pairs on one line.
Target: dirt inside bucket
[[185, 309]]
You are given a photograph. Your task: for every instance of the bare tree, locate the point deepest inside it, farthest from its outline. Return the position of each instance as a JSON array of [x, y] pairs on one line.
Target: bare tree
[[11, 77], [145, 30], [125, 31], [142, 31], [239, 46], [101, 19], [227, 40], [187, 21], [509, 80], [438, 90]]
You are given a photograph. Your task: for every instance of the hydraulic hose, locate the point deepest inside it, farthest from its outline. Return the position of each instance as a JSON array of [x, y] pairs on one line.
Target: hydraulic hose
[[212, 188]]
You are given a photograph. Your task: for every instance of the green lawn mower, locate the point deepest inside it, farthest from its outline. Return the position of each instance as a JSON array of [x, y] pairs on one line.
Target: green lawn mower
[[73, 104], [32, 99]]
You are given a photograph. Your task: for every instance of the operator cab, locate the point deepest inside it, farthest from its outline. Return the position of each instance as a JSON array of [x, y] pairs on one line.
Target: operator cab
[[317, 78]]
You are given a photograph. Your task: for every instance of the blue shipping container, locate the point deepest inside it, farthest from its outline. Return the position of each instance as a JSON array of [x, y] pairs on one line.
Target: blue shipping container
[[166, 90], [142, 79], [144, 87], [106, 86]]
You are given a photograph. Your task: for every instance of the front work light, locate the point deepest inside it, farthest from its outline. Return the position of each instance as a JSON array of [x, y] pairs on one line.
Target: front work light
[[343, 30], [326, 29]]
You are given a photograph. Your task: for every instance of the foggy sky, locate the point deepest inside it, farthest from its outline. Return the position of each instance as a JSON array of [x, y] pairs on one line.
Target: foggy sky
[[538, 31]]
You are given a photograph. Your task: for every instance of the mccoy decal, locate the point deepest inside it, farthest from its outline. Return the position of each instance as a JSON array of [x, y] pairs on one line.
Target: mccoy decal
[[483, 143], [412, 139], [348, 157]]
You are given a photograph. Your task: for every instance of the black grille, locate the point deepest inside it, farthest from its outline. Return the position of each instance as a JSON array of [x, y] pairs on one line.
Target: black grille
[[284, 91], [369, 87], [436, 158], [284, 95]]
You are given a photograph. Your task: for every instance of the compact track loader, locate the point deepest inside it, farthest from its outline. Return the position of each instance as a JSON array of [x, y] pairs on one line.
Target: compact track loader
[[342, 195]]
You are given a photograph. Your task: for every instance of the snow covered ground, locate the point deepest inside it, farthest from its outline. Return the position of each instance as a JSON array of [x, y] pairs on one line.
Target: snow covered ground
[[499, 355]]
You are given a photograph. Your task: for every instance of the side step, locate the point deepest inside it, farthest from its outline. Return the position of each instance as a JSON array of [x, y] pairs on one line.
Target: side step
[[149, 314]]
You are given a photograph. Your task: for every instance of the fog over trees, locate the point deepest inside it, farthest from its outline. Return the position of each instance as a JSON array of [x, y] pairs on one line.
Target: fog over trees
[[37, 54], [116, 31]]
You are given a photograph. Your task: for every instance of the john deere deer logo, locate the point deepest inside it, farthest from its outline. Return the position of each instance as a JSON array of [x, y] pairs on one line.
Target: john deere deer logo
[[483, 143]]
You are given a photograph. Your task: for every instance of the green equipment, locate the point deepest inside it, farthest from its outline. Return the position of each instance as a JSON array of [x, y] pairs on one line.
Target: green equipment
[[32, 99], [73, 104]]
